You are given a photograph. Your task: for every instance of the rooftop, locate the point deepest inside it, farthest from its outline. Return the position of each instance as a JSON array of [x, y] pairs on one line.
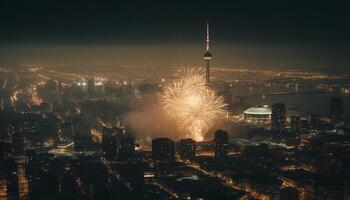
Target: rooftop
[[258, 110]]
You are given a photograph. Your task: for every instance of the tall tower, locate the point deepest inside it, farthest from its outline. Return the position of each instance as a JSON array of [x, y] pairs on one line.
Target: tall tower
[[207, 58]]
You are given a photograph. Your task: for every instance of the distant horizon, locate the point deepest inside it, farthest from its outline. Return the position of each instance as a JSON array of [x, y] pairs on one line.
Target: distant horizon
[[176, 55], [137, 33]]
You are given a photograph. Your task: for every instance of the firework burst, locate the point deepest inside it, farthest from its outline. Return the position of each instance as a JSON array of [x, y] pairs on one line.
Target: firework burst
[[195, 106]]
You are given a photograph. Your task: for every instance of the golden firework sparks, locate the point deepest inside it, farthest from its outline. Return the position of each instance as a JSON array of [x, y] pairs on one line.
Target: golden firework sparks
[[195, 106]]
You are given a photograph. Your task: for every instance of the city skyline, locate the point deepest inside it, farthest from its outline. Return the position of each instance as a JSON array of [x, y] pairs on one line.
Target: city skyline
[[141, 100]]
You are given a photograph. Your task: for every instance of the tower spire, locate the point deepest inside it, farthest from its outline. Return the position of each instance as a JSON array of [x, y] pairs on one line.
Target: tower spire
[[207, 57], [207, 39]]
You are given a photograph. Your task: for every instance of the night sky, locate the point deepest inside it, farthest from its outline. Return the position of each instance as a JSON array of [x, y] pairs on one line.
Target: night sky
[[315, 33]]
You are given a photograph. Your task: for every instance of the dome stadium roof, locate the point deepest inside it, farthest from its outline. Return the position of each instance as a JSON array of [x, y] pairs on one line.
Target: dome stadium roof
[[258, 110]]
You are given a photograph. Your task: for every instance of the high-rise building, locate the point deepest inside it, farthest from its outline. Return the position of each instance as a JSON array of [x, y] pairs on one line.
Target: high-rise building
[[91, 87], [11, 170], [18, 141], [295, 124], [116, 144], [128, 144], [111, 142], [163, 149], [187, 148], [221, 144], [128, 147], [314, 122], [82, 135], [207, 57], [336, 110], [278, 116]]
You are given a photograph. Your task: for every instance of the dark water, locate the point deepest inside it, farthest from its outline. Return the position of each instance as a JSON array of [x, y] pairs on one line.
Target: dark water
[[312, 103]]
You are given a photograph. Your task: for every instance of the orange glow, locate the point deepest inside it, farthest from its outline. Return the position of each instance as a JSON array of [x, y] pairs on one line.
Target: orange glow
[[195, 106]]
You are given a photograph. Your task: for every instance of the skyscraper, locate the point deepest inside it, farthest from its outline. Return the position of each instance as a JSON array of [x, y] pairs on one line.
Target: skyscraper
[[18, 141], [278, 116], [207, 57], [116, 144], [221, 144], [128, 147], [295, 124], [91, 87], [187, 148], [314, 122], [336, 110], [163, 149], [111, 142], [82, 135]]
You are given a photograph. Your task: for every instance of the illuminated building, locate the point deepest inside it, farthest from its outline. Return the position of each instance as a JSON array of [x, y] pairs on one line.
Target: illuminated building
[[221, 144], [258, 114], [163, 149], [336, 110], [22, 180], [187, 148], [345, 91], [207, 58], [278, 116], [295, 124]]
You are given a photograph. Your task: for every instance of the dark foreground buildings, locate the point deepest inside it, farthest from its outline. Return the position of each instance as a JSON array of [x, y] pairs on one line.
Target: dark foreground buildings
[[117, 144], [221, 144], [60, 155], [163, 149], [336, 110], [187, 148], [278, 116]]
